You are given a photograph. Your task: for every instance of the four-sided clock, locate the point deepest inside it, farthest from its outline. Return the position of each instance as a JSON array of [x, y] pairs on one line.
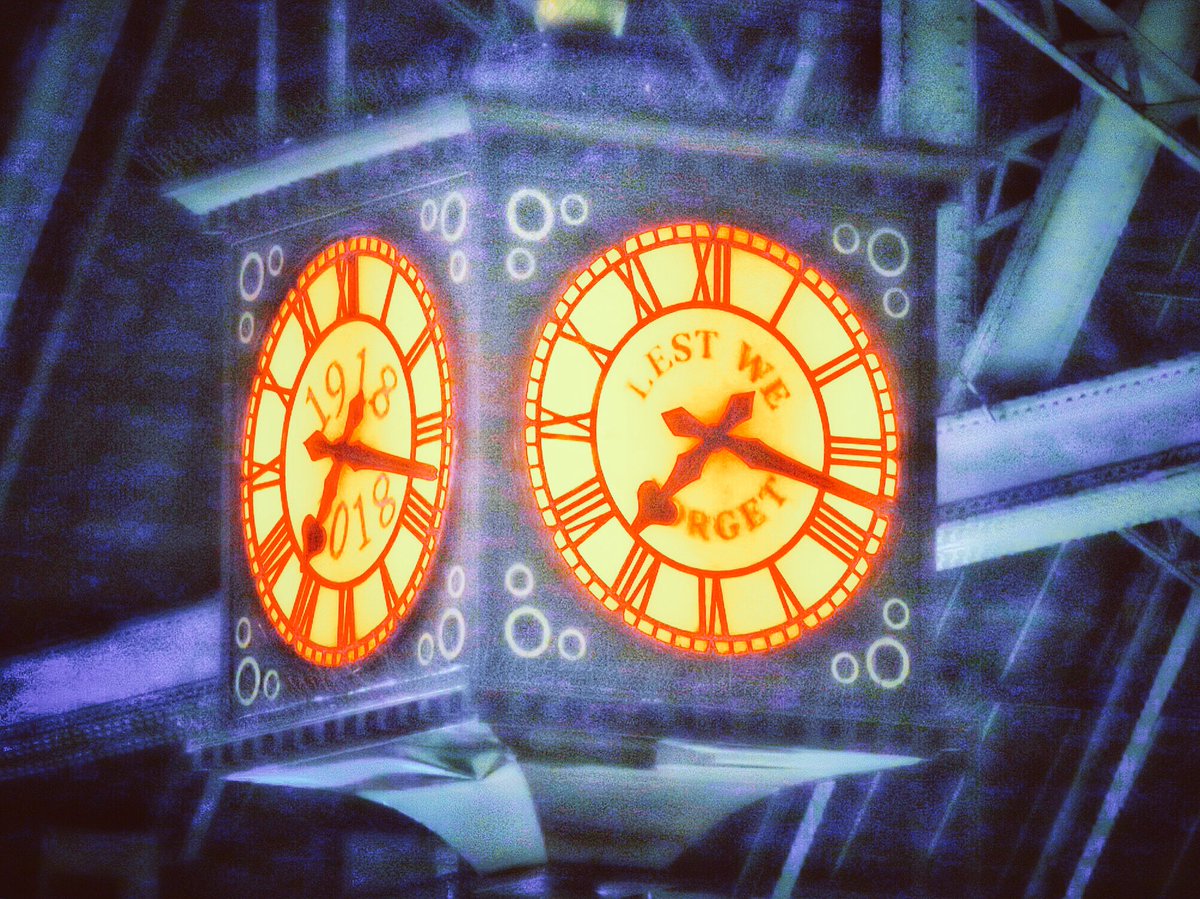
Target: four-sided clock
[[711, 439], [347, 451]]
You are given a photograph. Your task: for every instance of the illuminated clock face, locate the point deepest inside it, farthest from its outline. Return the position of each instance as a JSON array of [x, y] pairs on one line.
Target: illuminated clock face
[[347, 452], [711, 439]]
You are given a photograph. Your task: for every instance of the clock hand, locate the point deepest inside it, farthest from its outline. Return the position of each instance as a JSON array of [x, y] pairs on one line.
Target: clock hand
[[654, 502], [311, 530], [758, 455], [356, 457]]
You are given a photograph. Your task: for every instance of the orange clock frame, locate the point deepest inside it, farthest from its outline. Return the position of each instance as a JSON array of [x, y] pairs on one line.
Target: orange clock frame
[[711, 439], [347, 450]]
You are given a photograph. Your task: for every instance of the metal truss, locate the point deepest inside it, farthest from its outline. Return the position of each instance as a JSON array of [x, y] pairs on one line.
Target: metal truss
[[1139, 58], [1018, 150], [1164, 543]]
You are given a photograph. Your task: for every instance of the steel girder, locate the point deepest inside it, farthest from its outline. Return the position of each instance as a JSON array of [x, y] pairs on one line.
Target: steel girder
[[1078, 214]]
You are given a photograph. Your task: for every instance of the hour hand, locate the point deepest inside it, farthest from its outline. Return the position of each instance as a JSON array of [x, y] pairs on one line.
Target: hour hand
[[683, 423]]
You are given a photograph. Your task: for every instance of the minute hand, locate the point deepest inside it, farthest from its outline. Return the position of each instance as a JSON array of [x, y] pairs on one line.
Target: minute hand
[[758, 455], [356, 456]]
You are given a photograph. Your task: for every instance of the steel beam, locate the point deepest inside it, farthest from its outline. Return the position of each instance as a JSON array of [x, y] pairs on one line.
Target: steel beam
[[806, 833], [435, 120], [1067, 464], [56, 104], [1163, 27], [1061, 432], [927, 90], [946, 164], [1081, 207], [1138, 748]]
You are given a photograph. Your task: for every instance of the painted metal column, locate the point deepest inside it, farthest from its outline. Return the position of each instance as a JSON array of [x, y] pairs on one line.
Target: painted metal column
[[57, 102], [928, 85], [1066, 241], [928, 92], [267, 82], [56, 338]]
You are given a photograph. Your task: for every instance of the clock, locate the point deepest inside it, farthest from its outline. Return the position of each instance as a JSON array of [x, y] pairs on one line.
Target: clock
[[711, 440], [346, 453]]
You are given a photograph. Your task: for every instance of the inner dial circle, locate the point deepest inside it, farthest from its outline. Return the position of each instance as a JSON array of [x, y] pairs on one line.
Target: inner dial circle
[[698, 359], [356, 363]]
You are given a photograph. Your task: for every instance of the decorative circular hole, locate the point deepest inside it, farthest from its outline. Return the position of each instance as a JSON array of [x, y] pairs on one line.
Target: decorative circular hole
[[458, 266], [901, 675], [246, 327], [520, 264], [530, 214], [275, 260], [899, 621], [518, 643], [452, 621], [270, 684], [896, 303], [518, 580], [429, 215], [574, 209], [247, 696], [425, 648], [251, 263], [887, 251], [454, 216], [844, 668], [846, 239], [241, 633], [572, 644], [456, 582]]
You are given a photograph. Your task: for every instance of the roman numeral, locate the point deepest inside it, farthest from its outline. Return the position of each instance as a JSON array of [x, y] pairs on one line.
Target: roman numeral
[[275, 550], [716, 290], [836, 533], [835, 368], [284, 393], [644, 304], [346, 269], [306, 317], [861, 452], [270, 472], [391, 598], [429, 428], [635, 581], [787, 298], [713, 619], [387, 298], [346, 633], [573, 334], [580, 427], [792, 607], [305, 608], [424, 339], [417, 514], [583, 510]]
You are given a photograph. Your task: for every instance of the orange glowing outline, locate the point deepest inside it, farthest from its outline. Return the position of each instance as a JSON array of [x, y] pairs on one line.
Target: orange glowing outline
[[400, 603], [573, 554]]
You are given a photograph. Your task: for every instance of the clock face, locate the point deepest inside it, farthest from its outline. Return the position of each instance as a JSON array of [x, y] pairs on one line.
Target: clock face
[[711, 439], [346, 455]]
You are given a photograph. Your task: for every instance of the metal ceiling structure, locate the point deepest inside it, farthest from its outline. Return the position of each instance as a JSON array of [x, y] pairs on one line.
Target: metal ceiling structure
[[1057, 142]]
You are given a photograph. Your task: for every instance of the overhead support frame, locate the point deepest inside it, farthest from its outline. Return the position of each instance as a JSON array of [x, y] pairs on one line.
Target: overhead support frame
[[1138, 56]]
